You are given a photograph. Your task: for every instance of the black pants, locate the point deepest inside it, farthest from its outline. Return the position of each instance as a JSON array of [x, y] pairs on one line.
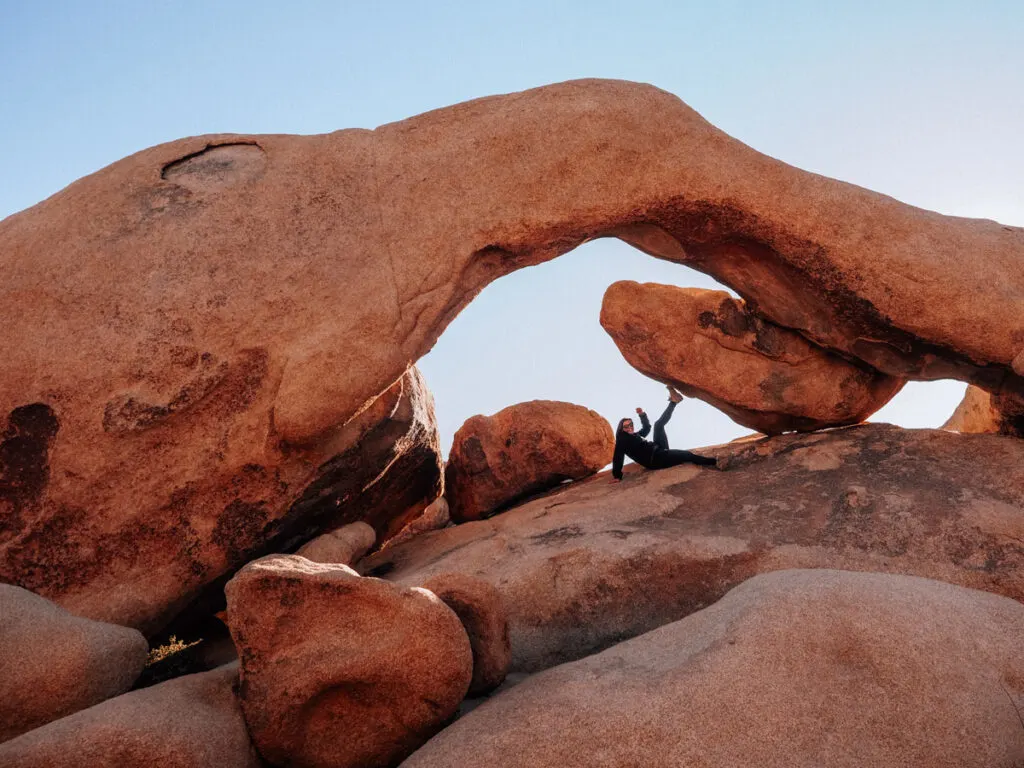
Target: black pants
[[665, 457]]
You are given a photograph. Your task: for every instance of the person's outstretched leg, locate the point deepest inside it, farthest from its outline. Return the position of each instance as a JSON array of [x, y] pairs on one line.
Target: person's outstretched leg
[[663, 459], [659, 436]]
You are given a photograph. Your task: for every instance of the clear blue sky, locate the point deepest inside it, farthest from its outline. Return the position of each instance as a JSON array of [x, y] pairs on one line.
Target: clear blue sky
[[921, 100]]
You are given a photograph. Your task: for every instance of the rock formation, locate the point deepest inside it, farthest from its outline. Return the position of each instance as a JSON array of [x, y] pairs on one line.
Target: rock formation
[[342, 671], [590, 564], [191, 722], [798, 669], [983, 413], [525, 448], [763, 376], [186, 330], [346, 545], [480, 609], [434, 518], [192, 498], [53, 663]]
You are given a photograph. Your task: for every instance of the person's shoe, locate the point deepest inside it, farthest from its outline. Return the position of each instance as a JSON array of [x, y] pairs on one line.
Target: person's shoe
[[722, 463], [674, 395]]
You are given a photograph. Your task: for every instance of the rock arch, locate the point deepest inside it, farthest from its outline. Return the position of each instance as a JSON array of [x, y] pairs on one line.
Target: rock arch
[[337, 260]]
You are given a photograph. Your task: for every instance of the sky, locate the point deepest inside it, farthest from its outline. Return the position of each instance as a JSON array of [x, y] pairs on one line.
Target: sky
[[923, 101]]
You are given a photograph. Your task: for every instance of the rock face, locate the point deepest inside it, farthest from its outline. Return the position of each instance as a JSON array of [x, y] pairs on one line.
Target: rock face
[[190, 722], [712, 346], [793, 669], [434, 518], [53, 663], [339, 670], [480, 609], [525, 448], [139, 555], [186, 330], [593, 563], [981, 413], [346, 545]]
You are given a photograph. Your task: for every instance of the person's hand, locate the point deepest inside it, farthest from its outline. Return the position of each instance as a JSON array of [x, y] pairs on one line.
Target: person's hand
[[640, 411]]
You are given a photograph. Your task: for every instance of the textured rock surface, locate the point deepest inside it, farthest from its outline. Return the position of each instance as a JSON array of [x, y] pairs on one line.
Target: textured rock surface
[[185, 329], [525, 448], [434, 518], [53, 663], [339, 670], [481, 610], [346, 545], [793, 669], [712, 346], [981, 413], [191, 722], [138, 547], [590, 564]]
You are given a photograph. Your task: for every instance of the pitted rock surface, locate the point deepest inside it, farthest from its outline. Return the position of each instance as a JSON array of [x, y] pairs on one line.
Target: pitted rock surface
[[339, 671], [529, 447], [714, 347], [194, 322], [592, 563], [796, 669]]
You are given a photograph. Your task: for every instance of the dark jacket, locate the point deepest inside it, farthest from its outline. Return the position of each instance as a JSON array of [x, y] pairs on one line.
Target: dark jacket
[[633, 445]]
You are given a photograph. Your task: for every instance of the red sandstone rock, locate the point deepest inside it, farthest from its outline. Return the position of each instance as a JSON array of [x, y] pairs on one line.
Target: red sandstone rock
[[53, 663], [525, 448], [346, 545], [712, 346], [981, 413], [481, 611], [339, 670], [592, 563], [797, 669], [186, 330], [190, 722]]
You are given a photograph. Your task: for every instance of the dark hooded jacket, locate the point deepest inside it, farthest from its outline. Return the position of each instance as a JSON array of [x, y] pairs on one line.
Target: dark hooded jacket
[[633, 445]]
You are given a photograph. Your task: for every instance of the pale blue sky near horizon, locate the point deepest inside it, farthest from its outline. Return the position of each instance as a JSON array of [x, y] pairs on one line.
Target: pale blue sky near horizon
[[923, 101]]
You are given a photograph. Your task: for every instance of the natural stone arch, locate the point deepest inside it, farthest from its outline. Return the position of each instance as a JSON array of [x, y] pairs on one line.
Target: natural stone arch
[[307, 273]]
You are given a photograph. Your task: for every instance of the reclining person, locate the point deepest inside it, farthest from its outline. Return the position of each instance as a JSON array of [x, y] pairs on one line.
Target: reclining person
[[648, 454]]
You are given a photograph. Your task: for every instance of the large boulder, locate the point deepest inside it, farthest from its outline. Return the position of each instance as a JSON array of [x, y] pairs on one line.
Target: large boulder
[[127, 552], [53, 663], [342, 671], [593, 563], [190, 722], [797, 669], [497, 460], [982, 413], [712, 346], [186, 330]]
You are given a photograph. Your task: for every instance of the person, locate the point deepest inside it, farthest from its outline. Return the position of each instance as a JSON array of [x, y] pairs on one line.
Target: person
[[652, 454]]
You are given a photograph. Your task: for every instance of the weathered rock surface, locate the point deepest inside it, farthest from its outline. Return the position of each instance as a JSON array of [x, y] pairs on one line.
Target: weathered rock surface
[[789, 670], [712, 346], [981, 413], [481, 610], [339, 670], [190, 722], [142, 544], [593, 563], [53, 663], [434, 518], [525, 448], [346, 545], [186, 329]]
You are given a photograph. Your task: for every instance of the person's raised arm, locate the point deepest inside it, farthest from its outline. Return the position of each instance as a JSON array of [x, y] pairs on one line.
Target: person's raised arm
[[644, 422]]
